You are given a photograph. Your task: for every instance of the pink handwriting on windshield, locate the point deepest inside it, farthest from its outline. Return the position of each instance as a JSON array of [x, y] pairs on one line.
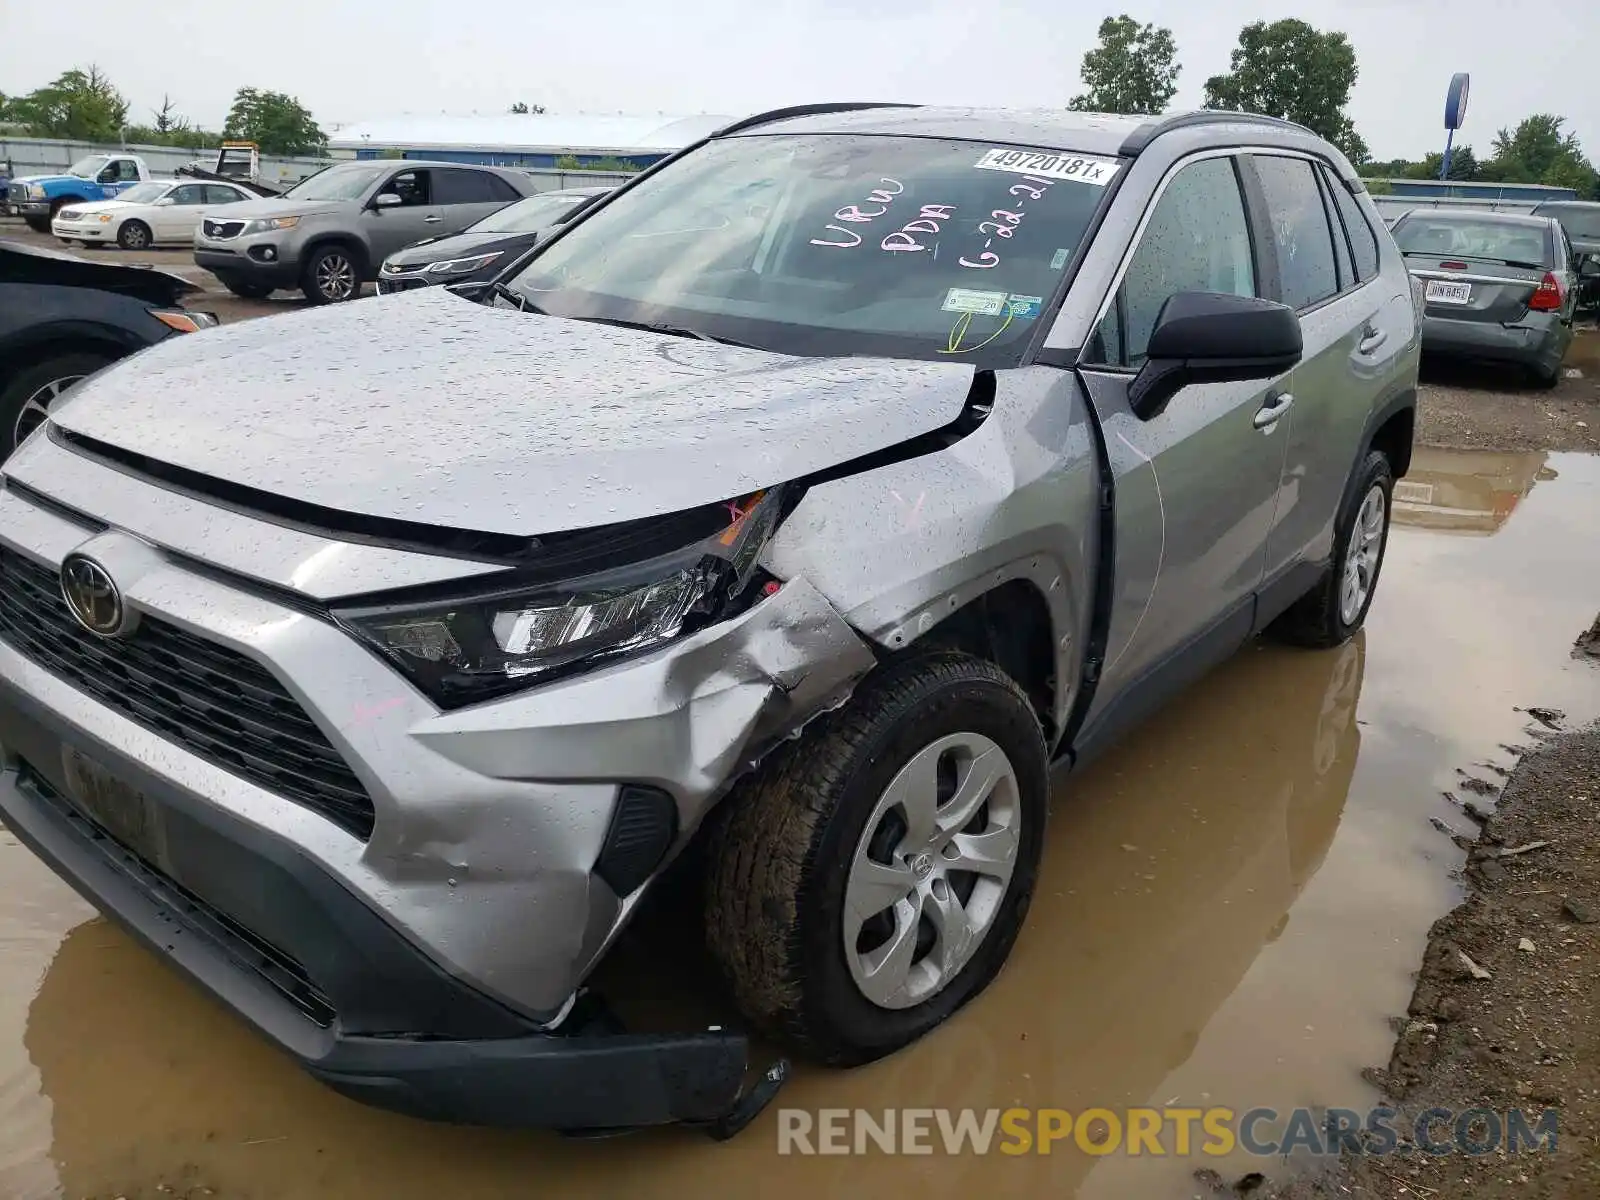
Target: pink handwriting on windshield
[[859, 214], [927, 222], [1003, 222]]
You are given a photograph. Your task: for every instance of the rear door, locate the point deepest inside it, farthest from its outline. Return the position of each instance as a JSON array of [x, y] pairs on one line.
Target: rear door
[[416, 216], [1196, 484], [1355, 327], [466, 196]]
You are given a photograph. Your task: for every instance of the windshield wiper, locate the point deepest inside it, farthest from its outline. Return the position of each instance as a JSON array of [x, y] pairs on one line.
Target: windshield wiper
[[672, 330], [505, 292]]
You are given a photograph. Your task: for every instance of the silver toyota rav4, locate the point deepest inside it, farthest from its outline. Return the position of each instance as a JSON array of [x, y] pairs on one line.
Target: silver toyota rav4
[[802, 503]]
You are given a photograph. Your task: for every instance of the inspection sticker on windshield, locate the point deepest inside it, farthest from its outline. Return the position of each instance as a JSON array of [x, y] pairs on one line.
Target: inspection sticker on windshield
[[989, 304], [1074, 167], [1023, 306]]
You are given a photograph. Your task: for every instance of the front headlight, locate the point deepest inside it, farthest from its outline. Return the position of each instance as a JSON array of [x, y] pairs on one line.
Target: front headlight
[[462, 266], [472, 649], [268, 224]]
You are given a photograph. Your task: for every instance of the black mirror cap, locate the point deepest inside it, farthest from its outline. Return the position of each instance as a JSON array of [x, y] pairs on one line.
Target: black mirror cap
[[1214, 337]]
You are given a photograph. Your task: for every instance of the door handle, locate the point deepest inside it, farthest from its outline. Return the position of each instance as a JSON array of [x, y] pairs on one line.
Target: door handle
[[432, 220], [1270, 413], [1371, 339]]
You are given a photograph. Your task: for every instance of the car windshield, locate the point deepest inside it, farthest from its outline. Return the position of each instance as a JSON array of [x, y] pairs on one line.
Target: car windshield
[[833, 245], [88, 168], [144, 193], [336, 183], [525, 216], [1462, 237]]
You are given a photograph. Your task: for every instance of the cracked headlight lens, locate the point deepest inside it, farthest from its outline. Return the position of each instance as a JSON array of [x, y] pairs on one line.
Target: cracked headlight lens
[[474, 648]]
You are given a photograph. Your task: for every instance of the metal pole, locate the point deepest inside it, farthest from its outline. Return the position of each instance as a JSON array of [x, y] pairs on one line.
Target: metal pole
[[1449, 143]]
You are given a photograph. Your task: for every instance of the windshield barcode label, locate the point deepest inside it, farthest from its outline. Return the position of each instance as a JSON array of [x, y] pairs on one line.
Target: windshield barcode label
[[1073, 167]]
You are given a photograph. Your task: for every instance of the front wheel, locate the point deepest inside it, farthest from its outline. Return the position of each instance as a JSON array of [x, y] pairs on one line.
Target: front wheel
[[1330, 613], [134, 235], [331, 276], [25, 401], [872, 877], [38, 224]]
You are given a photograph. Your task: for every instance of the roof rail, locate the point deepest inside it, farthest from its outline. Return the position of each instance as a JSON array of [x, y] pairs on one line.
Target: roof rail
[[1141, 137], [806, 110]]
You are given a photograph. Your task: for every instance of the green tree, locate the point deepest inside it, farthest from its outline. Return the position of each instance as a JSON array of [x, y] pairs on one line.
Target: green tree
[[522, 108], [278, 123], [1539, 151], [1132, 70], [1289, 69], [80, 104], [167, 119]]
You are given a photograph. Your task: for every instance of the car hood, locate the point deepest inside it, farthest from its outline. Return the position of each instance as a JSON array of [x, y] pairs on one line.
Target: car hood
[[460, 245], [22, 262], [48, 179], [96, 206], [250, 210], [427, 407]]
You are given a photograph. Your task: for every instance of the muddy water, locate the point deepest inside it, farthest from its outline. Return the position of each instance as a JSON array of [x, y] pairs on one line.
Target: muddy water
[[1231, 908]]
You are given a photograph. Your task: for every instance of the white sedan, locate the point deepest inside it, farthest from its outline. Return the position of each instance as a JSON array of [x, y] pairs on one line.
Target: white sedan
[[146, 215]]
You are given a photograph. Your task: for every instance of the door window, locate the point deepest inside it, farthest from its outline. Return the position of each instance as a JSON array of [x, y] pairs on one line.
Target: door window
[[219, 193], [1363, 242], [463, 187], [412, 188], [499, 189], [1306, 270], [189, 193], [1197, 240]]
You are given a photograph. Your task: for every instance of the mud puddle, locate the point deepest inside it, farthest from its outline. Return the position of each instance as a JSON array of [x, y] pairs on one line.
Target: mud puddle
[[1232, 905]]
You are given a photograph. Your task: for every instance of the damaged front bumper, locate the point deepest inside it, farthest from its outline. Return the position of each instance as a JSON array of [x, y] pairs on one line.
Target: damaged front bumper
[[432, 966]]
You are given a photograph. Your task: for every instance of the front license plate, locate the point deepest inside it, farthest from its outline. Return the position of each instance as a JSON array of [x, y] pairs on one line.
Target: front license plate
[[1442, 292], [120, 809]]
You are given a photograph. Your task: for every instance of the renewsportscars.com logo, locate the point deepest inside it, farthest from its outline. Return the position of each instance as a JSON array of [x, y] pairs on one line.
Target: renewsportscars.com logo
[[1158, 1132]]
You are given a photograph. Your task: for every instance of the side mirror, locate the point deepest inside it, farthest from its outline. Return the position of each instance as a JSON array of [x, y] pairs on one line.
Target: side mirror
[[1210, 337], [387, 200]]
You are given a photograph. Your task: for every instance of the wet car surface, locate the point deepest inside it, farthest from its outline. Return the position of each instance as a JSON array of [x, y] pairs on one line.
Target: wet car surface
[[1231, 905]]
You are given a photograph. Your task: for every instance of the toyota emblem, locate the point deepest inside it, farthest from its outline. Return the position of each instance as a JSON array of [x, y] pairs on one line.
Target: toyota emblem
[[93, 599]]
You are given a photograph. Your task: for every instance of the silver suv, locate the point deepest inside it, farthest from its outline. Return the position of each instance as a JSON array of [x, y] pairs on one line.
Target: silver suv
[[800, 503], [330, 233]]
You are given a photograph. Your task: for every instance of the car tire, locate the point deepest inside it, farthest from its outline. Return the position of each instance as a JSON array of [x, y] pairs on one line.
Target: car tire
[[38, 224], [26, 399], [134, 235], [1330, 613], [249, 291], [332, 275], [804, 842]]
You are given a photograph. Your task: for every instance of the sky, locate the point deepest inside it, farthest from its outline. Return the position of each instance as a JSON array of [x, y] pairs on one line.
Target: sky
[[349, 62]]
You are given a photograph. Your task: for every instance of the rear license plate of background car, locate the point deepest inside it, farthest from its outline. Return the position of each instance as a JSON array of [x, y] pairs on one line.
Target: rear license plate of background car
[[118, 808], [1449, 293]]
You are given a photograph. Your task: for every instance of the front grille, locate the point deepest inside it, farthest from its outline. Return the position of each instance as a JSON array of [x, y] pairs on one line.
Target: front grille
[[223, 229], [246, 947], [402, 285], [214, 701]]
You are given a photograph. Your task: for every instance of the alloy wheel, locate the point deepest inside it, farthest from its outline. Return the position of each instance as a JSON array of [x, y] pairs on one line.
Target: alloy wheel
[[1362, 555], [36, 408], [336, 277], [931, 870]]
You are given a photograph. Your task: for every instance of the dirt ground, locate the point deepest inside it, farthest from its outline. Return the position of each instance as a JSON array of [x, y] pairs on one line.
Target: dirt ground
[[1506, 1011]]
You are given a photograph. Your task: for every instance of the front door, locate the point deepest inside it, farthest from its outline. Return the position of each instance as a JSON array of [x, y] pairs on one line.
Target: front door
[[416, 216], [1195, 485], [175, 222]]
